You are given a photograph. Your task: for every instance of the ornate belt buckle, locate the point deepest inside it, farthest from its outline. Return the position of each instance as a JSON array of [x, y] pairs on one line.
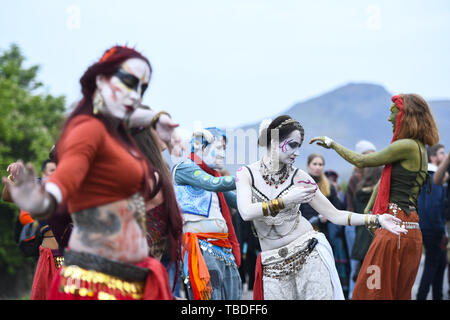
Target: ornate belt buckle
[[283, 252]]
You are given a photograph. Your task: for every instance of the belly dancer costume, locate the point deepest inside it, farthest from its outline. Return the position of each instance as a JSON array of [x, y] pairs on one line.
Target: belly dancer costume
[[301, 270]]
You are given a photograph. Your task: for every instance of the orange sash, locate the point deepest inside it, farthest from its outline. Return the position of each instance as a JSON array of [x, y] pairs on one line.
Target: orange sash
[[198, 270]]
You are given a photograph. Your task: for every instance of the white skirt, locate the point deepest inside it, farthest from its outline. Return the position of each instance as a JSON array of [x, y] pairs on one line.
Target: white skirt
[[289, 274]]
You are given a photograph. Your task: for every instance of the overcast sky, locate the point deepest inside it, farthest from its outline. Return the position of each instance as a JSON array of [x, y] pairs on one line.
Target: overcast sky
[[231, 62]]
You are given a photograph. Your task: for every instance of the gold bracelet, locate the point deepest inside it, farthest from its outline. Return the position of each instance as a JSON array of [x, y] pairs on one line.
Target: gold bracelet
[[265, 210], [156, 118], [271, 207], [349, 218], [281, 203], [11, 179], [275, 204], [365, 221], [374, 222]]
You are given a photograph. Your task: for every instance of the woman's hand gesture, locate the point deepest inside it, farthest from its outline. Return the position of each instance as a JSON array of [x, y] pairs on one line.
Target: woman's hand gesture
[[25, 191], [322, 141], [391, 223]]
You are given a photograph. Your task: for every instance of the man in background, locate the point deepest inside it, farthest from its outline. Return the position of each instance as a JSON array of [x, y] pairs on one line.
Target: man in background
[[431, 209]]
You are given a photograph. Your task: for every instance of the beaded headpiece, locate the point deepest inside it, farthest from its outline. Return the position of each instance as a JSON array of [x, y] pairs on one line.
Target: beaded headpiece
[[286, 122]]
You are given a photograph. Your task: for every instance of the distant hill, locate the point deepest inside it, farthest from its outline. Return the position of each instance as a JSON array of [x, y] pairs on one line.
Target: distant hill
[[348, 114]]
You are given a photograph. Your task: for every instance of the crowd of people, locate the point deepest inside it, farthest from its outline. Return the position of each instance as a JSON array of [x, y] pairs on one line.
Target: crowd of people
[[108, 219]]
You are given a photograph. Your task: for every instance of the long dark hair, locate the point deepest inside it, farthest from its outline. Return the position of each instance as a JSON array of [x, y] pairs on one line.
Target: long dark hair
[[148, 145], [109, 63]]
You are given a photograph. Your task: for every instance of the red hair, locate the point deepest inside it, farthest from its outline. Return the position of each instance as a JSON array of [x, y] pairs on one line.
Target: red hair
[[109, 63]]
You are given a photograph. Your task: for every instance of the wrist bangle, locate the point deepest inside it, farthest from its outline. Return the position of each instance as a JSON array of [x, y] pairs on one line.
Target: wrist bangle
[[281, 203], [156, 118], [271, 207], [374, 222], [365, 220], [349, 219], [275, 204], [11, 179], [274, 207], [264, 209]]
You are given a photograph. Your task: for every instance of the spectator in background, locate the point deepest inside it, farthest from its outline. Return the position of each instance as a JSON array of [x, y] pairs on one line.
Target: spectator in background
[[332, 176], [363, 147], [440, 177], [333, 232], [431, 205], [363, 237]]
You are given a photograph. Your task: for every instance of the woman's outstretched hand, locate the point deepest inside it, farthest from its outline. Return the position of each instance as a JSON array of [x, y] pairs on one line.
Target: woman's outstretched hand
[[25, 191], [391, 223], [322, 141]]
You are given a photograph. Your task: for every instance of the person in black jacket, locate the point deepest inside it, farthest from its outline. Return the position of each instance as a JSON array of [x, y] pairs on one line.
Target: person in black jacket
[[431, 205]]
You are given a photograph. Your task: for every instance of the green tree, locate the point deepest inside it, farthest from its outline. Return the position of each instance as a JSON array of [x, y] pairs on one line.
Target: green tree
[[30, 122]]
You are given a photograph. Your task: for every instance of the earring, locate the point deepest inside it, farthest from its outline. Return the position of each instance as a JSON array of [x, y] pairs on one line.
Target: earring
[[97, 102]]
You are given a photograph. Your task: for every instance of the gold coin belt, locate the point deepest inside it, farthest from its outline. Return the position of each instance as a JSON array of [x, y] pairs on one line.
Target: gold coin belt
[[87, 283], [58, 261], [288, 267]]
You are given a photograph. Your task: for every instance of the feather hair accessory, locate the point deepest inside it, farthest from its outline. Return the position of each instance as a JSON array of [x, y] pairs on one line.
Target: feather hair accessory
[[264, 125]]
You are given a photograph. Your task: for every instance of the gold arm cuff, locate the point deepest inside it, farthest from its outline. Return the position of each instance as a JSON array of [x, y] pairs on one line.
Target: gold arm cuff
[[157, 116], [265, 210], [11, 179], [271, 207], [275, 204], [281, 203], [350, 219]]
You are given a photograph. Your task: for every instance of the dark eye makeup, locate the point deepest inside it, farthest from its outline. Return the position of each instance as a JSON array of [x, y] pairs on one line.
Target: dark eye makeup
[[293, 144], [130, 80]]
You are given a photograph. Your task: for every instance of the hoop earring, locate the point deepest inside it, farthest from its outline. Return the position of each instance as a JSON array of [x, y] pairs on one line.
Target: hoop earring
[[97, 102]]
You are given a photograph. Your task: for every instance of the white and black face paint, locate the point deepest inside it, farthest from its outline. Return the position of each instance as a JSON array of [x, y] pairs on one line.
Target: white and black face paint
[[122, 93], [288, 149], [214, 154]]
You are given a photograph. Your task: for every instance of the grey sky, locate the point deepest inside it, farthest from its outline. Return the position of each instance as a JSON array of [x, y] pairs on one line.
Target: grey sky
[[227, 63]]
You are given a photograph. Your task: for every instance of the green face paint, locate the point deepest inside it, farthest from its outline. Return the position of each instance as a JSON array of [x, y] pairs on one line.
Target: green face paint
[[393, 116]]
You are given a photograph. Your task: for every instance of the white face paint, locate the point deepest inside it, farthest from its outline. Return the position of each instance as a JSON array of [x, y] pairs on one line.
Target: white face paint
[[288, 149], [214, 154], [122, 93]]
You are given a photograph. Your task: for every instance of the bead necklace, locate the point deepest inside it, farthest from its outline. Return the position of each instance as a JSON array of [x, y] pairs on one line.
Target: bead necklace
[[275, 178]]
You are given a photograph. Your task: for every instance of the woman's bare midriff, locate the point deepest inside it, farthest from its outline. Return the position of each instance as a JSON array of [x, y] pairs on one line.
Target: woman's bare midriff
[[115, 231]]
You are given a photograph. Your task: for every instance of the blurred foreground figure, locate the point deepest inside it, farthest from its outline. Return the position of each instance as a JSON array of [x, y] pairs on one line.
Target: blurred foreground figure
[[106, 182]]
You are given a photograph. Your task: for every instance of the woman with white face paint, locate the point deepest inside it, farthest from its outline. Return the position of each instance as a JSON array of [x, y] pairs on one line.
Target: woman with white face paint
[[296, 261], [106, 182]]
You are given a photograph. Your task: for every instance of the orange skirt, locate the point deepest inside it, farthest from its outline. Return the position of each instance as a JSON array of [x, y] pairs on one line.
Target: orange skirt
[[391, 264]]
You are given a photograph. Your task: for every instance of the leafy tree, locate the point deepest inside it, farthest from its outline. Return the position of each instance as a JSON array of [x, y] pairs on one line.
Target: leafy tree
[[30, 122]]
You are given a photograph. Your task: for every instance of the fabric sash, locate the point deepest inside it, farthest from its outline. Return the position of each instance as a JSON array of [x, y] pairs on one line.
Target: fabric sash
[[198, 270], [382, 200]]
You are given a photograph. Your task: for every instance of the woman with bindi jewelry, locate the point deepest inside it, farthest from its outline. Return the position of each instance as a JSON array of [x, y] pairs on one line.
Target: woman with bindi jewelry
[[106, 182], [296, 261], [391, 263]]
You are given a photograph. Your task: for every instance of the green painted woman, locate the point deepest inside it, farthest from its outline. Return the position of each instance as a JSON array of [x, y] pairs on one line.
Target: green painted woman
[[391, 264]]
